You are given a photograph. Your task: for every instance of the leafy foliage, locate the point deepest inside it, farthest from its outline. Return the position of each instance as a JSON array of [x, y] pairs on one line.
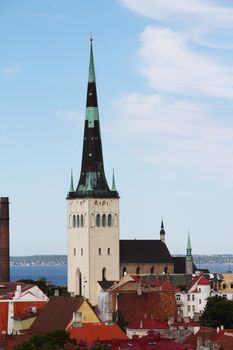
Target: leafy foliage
[[49, 341], [46, 286], [218, 311], [118, 318]]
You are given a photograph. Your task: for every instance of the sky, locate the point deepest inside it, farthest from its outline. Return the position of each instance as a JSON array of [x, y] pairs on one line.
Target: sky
[[164, 72]]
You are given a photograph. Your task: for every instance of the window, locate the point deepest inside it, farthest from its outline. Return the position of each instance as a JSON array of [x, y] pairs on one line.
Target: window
[[78, 221], [193, 308], [99, 251], [108, 251], [74, 221], [81, 251], [124, 271], [109, 220], [188, 297], [165, 269], [178, 297], [137, 270], [104, 220], [74, 251], [224, 285], [152, 270], [82, 221], [199, 290], [224, 296], [199, 301], [193, 297], [189, 308], [98, 220]]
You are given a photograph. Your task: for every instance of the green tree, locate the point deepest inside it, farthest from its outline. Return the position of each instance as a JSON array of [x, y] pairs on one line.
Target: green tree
[[49, 341], [218, 311]]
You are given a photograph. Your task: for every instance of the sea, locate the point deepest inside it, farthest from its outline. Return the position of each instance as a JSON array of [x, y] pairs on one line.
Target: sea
[[57, 274]]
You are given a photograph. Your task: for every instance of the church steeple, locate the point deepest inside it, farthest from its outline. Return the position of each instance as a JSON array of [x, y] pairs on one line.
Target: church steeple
[[189, 257], [92, 181]]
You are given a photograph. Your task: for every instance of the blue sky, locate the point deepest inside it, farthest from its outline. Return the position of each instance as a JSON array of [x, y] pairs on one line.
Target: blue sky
[[164, 73]]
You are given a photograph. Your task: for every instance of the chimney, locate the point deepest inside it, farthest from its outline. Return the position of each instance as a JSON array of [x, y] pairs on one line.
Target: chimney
[[4, 240], [77, 320], [109, 320]]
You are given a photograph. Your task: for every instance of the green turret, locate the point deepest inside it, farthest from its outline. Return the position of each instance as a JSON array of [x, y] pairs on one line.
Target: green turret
[[189, 257]]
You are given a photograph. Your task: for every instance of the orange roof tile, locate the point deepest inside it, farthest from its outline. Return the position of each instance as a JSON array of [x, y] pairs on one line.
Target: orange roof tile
[[94, 331]]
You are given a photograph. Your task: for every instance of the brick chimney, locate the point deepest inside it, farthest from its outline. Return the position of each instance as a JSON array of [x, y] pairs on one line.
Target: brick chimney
[[4, 240]]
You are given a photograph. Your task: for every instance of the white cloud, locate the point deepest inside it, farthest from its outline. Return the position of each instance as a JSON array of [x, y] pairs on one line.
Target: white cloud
[[177, 133], [11, 70], [205, 11], [170, 65]]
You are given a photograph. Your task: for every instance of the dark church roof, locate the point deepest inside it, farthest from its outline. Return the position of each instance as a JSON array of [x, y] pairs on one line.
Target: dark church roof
[[144, 251], [180, 264]]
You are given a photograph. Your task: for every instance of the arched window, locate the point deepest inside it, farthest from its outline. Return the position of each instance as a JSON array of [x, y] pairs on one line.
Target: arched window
[[115, 220], [109, 220], [108, 251], [104, 220], [99, 251], [74, 221], [81, 251], [152, 270], [165, 269], [124, 271], [98, 220], [78, 221], [137, 270], [74, 251], [104, 274], [82, 221]]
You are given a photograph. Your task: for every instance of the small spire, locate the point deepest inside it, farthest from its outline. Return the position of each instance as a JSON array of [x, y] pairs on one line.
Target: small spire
[[189, 247], [162, 225], [91, 38], [71, 182], [162, 231], [91, 76], [113, 181]]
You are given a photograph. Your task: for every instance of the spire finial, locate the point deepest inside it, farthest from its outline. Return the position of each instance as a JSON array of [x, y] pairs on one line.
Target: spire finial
[[91, 37], [162, 225], [71, 182]]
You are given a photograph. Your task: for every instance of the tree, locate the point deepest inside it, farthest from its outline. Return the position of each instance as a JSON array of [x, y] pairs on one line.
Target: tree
[[218, 311], [49, 341]]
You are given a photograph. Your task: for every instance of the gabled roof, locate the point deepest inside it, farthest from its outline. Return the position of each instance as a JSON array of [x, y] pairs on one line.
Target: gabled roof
[[144, 251], [93, 331], [57, 314], [199, 281]]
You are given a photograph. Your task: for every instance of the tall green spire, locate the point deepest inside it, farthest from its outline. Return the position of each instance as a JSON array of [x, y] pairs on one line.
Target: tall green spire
[[71, 182], [92, 181], [113, 182]]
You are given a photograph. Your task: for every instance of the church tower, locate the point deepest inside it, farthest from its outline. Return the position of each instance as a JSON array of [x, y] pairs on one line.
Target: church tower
[[189, 257], [92, 211]]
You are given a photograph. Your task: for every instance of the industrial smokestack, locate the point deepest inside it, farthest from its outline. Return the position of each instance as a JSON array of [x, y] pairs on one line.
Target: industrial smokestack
[[4, 240]]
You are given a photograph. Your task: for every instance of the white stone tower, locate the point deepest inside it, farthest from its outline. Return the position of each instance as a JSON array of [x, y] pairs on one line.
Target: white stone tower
[[92, 211]]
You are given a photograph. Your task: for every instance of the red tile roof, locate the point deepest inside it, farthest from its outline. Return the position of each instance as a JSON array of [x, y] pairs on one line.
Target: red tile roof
[[147, 324], [93, 331]]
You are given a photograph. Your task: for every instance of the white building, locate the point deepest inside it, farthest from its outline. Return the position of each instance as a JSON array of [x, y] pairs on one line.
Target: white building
[[193, 301]]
